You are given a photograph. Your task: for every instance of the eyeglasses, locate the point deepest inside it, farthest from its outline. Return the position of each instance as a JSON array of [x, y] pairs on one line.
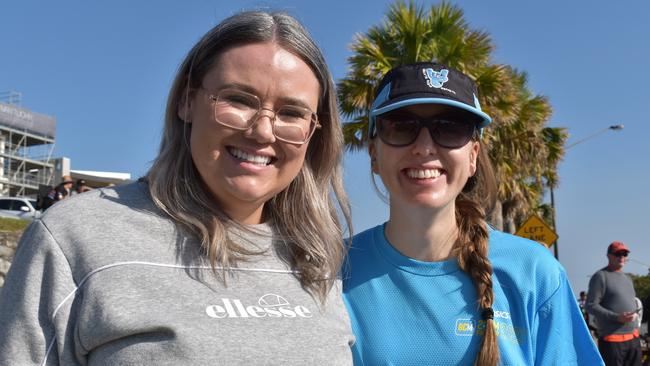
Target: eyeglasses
[[240, 110], [620, 254], [450, 130]]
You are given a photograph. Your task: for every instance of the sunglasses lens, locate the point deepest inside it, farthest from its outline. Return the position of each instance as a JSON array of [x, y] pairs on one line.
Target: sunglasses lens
[[453, 130], [619, 254], [397, 130], [451, 133]]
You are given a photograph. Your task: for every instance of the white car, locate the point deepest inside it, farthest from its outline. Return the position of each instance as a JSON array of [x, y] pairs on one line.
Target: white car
[[18, 208]]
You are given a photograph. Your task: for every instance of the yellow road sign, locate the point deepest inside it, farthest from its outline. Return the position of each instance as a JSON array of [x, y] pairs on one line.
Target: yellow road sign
[[536, 229]]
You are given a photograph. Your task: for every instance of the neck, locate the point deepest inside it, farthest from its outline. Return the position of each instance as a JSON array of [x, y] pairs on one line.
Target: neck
[[246, 214], [423, 234], [614, 268]]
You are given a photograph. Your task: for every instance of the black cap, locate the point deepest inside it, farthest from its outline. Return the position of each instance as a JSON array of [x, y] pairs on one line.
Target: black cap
[[426, 83]]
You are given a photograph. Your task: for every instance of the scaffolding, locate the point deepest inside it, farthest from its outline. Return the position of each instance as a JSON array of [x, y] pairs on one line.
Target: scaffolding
[[26, 147]]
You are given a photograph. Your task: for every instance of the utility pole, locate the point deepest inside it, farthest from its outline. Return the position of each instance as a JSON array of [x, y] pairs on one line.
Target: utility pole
[[569, 146]]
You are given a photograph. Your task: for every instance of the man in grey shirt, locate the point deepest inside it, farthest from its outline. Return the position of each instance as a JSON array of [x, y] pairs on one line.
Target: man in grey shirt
[[611, 300]]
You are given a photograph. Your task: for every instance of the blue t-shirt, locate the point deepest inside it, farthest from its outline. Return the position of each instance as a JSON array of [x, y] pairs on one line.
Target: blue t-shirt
[[409, 312]]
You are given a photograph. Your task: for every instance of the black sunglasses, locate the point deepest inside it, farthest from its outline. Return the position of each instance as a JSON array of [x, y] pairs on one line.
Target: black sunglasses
[[620, 254], [450, 130]]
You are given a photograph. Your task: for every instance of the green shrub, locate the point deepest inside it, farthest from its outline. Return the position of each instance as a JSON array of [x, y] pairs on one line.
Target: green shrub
[[8, 224]]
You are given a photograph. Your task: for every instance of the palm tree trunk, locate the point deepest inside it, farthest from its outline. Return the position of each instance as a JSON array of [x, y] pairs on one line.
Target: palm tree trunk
[[496, 216], [510, 226]]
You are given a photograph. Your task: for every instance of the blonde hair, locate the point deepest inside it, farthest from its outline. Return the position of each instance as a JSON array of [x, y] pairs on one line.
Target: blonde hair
[[304, 214]]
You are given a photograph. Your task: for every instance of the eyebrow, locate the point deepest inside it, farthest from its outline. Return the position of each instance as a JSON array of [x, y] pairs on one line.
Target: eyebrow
[[295, 102], [243, 87], [249, 89]]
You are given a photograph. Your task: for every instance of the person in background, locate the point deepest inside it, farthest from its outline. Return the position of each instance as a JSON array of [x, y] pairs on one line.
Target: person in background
[[582, 300], [81, 186], [56, 194], [611, 300], [62, 190], [228, 251], [435, 284], [639, 316], [582, 303]]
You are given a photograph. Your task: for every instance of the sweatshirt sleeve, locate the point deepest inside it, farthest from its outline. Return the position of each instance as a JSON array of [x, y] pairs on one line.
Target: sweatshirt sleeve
[[562, 334], [595, 296], [35, 303]]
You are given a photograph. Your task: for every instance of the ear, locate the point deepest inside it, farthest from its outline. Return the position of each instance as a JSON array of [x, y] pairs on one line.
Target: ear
[[473, 156], [185, 104], [372, 151]]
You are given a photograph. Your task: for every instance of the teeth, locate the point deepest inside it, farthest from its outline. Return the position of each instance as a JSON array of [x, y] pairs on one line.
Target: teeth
[[255, 159], [423, 173]]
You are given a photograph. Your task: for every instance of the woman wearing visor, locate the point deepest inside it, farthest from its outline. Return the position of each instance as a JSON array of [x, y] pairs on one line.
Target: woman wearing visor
[[436, 284]]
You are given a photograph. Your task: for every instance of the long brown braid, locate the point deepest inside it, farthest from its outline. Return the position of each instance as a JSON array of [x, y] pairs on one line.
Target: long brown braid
[[472, 248]]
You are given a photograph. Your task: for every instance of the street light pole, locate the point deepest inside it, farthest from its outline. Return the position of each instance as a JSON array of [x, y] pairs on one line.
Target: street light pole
[[610, 128]]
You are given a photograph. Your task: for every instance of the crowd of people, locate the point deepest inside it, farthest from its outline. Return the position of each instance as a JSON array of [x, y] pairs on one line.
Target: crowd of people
[[63, 190], [231, 249]]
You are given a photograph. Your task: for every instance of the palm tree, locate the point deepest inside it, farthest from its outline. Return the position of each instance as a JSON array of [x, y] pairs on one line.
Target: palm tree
[[409, 34], [525, 153]]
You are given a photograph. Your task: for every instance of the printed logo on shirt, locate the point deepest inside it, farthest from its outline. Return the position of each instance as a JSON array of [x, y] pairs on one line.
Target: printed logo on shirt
[[269, 305], [502, 326], [464, 327]]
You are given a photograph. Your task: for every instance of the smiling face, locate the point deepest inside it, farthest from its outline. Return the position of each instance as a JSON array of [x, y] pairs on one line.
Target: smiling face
[[423, 174], [616, 261], [244, 169]]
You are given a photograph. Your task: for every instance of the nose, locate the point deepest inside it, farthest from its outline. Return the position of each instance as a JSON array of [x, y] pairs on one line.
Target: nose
[[424, 144], [262, 128]]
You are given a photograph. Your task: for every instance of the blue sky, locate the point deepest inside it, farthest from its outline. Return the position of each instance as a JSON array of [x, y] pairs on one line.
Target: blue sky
[[103, 69]]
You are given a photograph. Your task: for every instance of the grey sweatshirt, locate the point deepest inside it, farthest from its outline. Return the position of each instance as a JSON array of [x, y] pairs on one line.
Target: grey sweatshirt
[[105, 279], [610, 293]]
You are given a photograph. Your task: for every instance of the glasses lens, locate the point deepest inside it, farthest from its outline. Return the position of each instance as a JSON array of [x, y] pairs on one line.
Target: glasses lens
[[451, 134], [621, 254], [294, 123], [235, 109], [397, 129]]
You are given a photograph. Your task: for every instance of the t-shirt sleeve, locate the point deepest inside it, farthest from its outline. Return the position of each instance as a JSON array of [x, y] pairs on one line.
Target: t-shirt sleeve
[[562, 335], [34, 312], [595, 296]]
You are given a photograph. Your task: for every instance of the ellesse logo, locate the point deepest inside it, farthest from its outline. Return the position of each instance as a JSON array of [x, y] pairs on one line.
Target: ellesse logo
[[269, 305]]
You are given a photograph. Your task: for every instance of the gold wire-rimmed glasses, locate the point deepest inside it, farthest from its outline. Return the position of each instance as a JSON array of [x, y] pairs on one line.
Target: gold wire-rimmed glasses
[[240, 110]]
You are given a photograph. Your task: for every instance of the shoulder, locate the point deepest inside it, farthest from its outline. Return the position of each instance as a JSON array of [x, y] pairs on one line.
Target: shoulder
[[599, 275], [364, 241], [103, 223], [524, 264], [507, 247], [360, 252], [98, 203]]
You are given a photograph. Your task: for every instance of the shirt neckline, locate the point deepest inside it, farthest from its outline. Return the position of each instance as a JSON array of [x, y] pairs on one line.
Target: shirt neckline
[[404, 263]]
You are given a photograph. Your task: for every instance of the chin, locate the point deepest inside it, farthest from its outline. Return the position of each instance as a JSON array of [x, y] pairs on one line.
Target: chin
[[431, 200]]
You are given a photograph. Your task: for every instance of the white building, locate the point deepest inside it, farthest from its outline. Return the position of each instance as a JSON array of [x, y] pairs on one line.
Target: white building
[[27, 142], [26, 147]]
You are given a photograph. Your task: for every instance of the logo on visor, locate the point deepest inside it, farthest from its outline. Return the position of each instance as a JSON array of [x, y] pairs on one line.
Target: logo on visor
[[435, 79]]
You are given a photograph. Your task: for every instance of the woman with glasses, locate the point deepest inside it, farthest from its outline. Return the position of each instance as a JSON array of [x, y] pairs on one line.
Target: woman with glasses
[[435, 284], [227, 252]]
